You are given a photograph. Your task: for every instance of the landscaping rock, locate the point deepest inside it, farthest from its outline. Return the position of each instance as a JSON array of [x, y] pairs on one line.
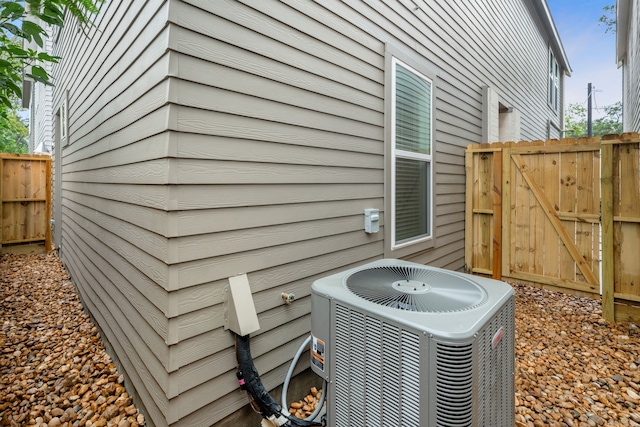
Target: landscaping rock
[[54, 370], [573, 367]]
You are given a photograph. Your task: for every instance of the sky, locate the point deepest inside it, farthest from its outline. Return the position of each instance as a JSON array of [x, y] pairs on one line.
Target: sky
[[591, 52]]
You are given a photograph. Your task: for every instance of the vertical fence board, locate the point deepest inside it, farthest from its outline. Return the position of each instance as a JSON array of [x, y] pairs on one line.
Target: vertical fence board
[[629, 210], [522, 222], [482, 252], [485, 181], [585, 186], [568, 196], [485, 231], [629, 275], [507, 209], [552, 243], [537, 215], [597, 207], [629, 188]]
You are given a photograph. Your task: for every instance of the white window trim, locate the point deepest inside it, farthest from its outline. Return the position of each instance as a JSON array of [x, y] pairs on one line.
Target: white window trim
[[553, 94], [395, 153]]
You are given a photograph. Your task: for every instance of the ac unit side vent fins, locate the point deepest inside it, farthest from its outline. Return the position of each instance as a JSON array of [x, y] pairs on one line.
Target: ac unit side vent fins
[[385, 376], [454, 385], [493, 361]]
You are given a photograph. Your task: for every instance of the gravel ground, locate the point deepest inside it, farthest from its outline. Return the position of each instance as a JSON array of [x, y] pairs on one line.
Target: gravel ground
[[54, 370], [573, 367]]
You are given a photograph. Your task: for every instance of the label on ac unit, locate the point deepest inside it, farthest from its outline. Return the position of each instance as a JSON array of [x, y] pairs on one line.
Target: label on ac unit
[[317, 352]]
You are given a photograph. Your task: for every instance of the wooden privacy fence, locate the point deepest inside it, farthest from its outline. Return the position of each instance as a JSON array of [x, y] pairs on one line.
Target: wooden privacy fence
[[25, 199], [561, 213]]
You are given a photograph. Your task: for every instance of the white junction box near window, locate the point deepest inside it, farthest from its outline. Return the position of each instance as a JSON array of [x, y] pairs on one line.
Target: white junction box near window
[[371, 220]]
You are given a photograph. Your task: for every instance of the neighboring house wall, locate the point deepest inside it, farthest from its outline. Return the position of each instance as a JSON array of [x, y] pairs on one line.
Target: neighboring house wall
[[628, 49], [41, 105], [42, 112], [208, 139], [41, 132]]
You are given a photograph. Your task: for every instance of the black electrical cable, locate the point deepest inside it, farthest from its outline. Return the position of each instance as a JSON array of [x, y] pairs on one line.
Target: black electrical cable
[[249, 380]]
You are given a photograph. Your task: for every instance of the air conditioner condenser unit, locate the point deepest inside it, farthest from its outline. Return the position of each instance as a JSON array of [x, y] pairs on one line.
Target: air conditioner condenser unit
[[403, 344]]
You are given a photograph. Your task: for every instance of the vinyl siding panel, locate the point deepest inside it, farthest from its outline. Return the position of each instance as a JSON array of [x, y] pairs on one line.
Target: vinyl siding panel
[[114, 59], [152, 220], [293, 276], [144, 195], [150, 125], [238, 241], [224, 362], [216, 123], [199, 271], [249, 29], [194, 146], [146, 338], [185, 223], [150, 101], [292, 71], [209, 139], [190, 196]]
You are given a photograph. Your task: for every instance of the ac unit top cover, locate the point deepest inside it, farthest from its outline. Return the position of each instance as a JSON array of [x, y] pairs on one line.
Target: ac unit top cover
[[443, 302]]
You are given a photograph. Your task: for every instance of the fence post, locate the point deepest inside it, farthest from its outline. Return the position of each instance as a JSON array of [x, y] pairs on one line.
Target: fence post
[[47, 242], [468, 231], [497, 213], [608, 278]]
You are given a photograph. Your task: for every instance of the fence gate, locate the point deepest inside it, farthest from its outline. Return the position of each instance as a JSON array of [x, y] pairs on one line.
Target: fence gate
[[25, 199], [534, 214], [621, 227]]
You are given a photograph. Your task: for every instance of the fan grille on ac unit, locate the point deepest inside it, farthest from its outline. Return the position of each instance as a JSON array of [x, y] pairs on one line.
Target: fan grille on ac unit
[[416, 289]]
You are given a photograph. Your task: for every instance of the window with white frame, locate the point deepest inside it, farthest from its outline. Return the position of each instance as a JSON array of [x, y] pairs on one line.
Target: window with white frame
[[63, 120], [63, 117], [554, 82], [412, 157]]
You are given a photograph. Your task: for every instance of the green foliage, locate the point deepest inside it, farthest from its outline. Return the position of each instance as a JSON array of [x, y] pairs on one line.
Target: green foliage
[[575, 120], [611, 123], [13, 131], [17, 26], [608, 19]]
